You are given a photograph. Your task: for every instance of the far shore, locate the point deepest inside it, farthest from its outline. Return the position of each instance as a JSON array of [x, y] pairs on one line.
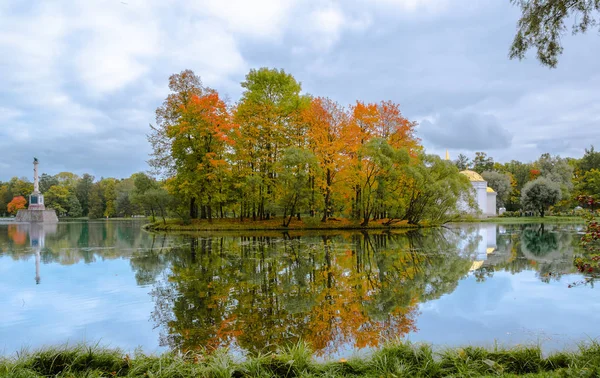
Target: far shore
[[314, 224]]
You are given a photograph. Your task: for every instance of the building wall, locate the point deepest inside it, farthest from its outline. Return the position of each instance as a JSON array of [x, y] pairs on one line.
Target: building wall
[[491, 203], [481, 195]]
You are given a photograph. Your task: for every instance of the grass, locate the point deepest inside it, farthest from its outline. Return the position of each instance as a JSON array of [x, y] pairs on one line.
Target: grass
[[521, 220], [547, 219], [307, 223], [397, 359]]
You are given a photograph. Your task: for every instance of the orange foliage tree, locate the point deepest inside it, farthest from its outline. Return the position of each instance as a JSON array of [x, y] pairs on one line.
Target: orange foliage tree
[[16, 204], [199, 141], [279, 152]]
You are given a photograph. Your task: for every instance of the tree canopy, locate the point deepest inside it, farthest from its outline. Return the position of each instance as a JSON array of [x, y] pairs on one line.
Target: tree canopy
[[544, 22]]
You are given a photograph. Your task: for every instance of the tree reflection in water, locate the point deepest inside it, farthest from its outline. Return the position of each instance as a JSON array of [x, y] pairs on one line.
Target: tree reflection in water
[[334, 290], [331, 290]]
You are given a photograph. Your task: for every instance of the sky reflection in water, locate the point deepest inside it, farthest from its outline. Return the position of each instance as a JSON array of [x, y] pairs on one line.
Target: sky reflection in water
[[341, 291]]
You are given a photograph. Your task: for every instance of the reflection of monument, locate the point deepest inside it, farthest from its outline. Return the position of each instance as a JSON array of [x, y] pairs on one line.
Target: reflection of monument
[[37, 210], [37, 238]]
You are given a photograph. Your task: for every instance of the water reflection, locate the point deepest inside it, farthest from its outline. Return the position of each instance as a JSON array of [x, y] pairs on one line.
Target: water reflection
[[340, 291]]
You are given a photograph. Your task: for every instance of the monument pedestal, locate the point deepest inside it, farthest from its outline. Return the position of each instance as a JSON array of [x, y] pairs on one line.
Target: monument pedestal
[[36, 216]]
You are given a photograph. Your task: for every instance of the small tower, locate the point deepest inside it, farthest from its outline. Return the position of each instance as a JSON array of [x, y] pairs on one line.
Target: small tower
[[447, 156]]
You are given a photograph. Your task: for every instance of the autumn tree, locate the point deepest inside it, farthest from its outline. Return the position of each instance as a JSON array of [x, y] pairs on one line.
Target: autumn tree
[[174, 112], [199, 143], [327, 133], [589, 185], [267, 114], [370, 122], [543, 23], [16, 204]]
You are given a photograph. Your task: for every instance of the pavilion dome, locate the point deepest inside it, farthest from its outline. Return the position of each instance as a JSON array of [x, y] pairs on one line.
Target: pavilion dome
[[490, 190], [472, 175]]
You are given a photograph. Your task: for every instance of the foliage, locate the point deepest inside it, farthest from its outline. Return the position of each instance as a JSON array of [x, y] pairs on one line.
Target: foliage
[[57, 198], [83, 191], [395, 359], [432, 190], [589, 261], [543, 23], [16, 204], [482, 162], [589, 161], [292, 186], [540, 194], [462, 162], [588, 187], [501, 183]]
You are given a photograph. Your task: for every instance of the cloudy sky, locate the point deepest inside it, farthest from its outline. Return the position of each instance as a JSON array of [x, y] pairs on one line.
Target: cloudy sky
[[79, 80]]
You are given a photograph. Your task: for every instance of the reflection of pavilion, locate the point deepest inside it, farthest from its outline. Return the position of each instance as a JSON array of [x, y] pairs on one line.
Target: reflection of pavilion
[[37, 240], [479, 244]]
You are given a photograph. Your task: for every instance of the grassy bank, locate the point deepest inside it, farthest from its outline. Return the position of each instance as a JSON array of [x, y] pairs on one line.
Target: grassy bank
[[548, 219], [229, 224], [392, 360]]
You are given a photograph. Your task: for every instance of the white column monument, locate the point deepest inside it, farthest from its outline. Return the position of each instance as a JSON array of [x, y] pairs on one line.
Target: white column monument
[[36, 212]]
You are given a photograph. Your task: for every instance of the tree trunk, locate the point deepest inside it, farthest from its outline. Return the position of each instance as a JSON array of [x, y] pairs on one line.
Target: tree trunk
[[193, 208]]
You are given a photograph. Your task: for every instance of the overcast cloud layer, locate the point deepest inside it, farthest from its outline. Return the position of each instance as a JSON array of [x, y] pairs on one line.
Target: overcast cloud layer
[[79, 80]]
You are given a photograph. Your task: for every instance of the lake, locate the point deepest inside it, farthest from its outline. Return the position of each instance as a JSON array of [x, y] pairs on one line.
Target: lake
[[343, 292]]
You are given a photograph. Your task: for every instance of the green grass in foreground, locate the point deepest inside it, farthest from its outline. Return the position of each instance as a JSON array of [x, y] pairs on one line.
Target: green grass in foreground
[[392, 360]]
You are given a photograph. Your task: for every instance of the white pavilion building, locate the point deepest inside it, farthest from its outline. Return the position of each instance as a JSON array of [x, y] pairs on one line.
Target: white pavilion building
[[484, 195]]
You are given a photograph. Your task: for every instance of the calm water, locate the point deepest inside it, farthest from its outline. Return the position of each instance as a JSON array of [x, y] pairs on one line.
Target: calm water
[[342, 291]]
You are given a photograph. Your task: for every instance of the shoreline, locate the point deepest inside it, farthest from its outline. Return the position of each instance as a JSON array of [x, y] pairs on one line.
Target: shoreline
[[229, 224]]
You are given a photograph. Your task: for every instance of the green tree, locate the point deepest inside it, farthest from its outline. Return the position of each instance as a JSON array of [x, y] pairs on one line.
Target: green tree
[[500, 182], [20, 187], [95, 201], [67, 179], [293, 182], [4, 198], [462, 162], [109, 196], [543, 23], [46, 181], [482, 162], [83, 190], [73, 206], [589, 161], [540, 194], [589, 185], [268, 114], [57, 198], [433, 190]]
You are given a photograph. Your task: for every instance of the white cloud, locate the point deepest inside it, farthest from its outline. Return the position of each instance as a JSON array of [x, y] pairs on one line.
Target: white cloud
[[263, 19]]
